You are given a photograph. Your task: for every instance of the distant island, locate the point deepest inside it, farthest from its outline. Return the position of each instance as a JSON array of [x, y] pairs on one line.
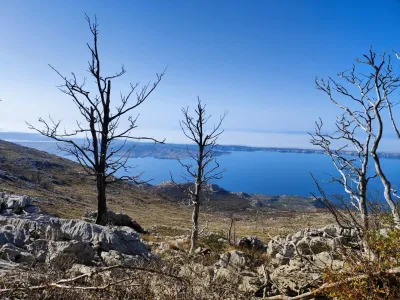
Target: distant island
[[230, 148], [163, 151]]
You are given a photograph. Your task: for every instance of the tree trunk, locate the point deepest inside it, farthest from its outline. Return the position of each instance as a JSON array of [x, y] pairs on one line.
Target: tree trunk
[[101, 171], [386, 190], [385, 182], [363, 203], [195, 220], [101, 201]]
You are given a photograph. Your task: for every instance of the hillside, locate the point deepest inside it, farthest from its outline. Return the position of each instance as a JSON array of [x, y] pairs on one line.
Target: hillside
[[64, 190], [218, 199]]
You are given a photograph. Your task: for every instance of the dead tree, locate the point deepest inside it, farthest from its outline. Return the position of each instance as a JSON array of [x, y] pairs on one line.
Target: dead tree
[[374, 87], [383, 81], [104, 150], [206, 166], [352, 168]]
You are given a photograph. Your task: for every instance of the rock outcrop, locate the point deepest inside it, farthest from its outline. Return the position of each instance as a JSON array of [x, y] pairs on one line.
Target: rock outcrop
[[104, 238], [28, 237], [298, 260], [20, 204]]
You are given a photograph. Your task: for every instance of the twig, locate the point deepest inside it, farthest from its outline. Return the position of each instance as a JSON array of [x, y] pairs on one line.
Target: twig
[[61, 283], [311, 294]]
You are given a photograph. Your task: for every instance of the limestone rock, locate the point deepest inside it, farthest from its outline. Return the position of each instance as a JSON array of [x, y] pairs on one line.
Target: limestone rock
[[202, 251], [39, 249], [61, 251], [15, 202], [234, 259], [105, 238], [250, 282], [326, 259], [78, 269], [250, 242], [10, 234], [197, 271], [32, 209], [112, 258], [12, 253], [70, 251], [292, 280]]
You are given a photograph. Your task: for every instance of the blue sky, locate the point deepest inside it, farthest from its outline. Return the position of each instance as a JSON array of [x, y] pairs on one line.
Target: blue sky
[[257, 59]]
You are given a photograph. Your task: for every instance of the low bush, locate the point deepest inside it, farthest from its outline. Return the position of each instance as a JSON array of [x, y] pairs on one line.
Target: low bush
[[372, 274]]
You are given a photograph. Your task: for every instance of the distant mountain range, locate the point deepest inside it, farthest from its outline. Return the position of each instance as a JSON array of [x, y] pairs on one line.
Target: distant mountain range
[[162, 151]]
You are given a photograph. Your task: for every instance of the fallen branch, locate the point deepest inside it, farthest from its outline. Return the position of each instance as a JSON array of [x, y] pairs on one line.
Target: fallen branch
[[61, 284], [325, 286]]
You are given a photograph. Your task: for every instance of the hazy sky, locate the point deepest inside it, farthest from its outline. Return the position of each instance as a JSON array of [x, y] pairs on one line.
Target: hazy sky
[[257, 59]]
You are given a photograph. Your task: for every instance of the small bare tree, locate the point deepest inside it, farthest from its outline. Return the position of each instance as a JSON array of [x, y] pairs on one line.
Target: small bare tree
[[206, 165], [361, 117], [104, 150]]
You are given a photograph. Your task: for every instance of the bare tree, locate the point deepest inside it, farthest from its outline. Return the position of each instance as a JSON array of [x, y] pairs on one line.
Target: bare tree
[[352, 168], [206, 165], [383, 81], [362, 117], [104, 151]]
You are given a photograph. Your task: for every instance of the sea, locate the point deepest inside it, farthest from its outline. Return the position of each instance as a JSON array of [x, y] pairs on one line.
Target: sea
[[258, 172]]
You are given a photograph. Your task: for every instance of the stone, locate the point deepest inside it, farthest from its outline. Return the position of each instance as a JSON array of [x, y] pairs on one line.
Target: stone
[[332, 230], [16, 202], [234, 259], [62, 251], [112, 258], [10, 234], [250, 242], [293, 280], [222, 275], [274, 247], [78, 269], [202, 251], [326, 259], [246, 281], [12, 253], [32, 209], [250, 282], [196, 270], [39, 249], [105, 238], [223, 240], [70, 251], [279, 260]]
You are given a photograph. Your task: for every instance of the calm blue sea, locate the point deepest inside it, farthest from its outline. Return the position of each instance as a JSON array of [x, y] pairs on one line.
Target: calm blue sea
[[270, 173]]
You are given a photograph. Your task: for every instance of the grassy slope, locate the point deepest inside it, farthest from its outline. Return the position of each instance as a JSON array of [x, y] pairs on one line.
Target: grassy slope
[[63, 182]]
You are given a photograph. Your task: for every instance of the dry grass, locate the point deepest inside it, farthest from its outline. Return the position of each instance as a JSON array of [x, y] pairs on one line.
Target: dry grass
[[167, 218]]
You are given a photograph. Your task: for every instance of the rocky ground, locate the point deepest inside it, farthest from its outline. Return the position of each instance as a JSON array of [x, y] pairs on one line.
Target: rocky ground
[[51, 248], [31, 239]]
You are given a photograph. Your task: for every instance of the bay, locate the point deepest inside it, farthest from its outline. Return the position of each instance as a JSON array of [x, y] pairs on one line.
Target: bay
[[262, 172], [256, 172]]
